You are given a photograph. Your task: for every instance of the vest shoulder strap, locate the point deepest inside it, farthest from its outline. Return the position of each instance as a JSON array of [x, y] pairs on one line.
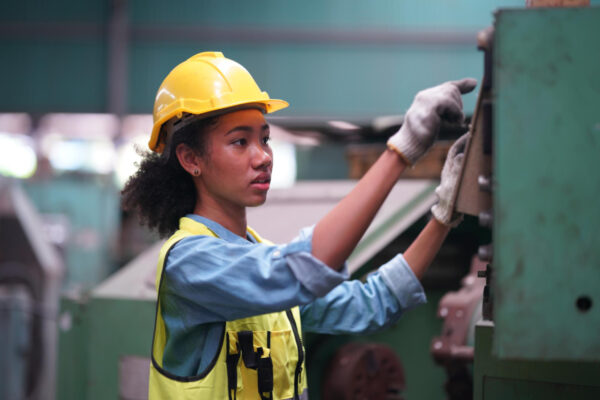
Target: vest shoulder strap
[[189, 227]]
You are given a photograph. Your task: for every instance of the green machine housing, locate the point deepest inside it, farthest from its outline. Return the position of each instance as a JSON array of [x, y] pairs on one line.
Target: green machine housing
[[544, 341]]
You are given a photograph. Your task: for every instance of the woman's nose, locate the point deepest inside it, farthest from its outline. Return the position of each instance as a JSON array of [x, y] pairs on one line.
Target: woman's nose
[[262, 157]]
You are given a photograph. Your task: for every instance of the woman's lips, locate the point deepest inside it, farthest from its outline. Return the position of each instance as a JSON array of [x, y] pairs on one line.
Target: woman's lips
[[263, 182]]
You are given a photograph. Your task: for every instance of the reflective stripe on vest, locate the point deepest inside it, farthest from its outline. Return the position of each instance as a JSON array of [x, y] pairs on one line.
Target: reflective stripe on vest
[[250, 349]]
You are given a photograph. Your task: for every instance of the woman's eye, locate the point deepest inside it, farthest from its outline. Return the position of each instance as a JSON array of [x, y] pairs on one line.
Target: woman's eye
[[239, 142], [266, 139]]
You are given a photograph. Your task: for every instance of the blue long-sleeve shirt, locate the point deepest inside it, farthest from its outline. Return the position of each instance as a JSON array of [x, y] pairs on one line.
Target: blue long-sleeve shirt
[[209, 280]]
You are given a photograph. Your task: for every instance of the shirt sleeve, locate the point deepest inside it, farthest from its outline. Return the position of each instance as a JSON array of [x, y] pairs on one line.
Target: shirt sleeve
[[208, 279], [357, 307]]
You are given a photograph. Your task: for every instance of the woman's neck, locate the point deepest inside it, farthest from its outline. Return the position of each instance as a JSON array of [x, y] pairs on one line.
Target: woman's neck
[[232, 218]]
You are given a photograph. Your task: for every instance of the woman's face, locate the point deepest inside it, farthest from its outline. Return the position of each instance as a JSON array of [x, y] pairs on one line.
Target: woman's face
[[236, 169]]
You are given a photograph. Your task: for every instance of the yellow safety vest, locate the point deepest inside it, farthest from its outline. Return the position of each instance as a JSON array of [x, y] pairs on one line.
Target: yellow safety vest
[[261, 357]]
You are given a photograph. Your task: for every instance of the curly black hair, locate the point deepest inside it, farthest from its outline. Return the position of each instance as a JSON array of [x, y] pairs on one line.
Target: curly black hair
[[161, 191]]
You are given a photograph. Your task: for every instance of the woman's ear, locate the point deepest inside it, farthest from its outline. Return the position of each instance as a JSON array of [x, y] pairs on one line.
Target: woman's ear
[[189, 159]]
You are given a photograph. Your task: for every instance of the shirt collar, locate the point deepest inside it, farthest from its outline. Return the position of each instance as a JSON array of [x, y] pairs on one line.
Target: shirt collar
[[221, 231]]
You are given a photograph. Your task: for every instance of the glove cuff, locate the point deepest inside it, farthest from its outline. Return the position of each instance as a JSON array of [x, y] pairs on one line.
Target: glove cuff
[[445, 217], [406, 146], [393, 148]]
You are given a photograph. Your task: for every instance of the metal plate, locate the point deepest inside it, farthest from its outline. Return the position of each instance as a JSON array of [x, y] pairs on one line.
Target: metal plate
[[546, 216]]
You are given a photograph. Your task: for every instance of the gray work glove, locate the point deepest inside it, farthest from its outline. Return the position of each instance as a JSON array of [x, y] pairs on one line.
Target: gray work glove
[[443, 210], [423, 119]]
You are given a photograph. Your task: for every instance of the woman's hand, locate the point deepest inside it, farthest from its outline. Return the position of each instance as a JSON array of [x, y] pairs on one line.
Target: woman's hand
[[443, 210], [423, 119]]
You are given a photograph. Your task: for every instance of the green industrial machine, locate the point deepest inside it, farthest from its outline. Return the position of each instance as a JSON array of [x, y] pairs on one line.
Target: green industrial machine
[[544, 281], [547, 143]]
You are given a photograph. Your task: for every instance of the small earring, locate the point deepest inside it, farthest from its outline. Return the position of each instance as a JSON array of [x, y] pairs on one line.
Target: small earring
[[196, 172]]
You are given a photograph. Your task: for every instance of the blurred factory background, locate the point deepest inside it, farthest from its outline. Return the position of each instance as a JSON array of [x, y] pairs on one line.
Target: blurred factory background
[[78, 81]]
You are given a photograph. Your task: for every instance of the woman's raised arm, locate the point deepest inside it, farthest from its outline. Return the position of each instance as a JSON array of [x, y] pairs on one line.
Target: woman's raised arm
[[338, 232]]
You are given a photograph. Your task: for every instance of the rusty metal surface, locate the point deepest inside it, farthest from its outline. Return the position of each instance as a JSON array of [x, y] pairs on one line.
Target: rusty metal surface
[[364, 371], [458, 309], [454, 348], [469, 197]]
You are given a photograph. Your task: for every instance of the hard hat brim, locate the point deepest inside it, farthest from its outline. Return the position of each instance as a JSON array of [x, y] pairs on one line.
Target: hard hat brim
[[268, 106]]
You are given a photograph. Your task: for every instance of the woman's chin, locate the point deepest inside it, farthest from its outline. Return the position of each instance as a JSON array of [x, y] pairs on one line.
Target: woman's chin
[[257, 201]]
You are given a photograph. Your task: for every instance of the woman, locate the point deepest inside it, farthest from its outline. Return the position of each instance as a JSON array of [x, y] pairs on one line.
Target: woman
[[230, 304]]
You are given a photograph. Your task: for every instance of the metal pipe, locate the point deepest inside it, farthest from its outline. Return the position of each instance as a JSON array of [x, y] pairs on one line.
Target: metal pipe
[[77, 30], [118, 50]]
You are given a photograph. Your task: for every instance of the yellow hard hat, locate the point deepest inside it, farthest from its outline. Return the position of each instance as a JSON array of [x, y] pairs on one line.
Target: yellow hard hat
[[206, 83]]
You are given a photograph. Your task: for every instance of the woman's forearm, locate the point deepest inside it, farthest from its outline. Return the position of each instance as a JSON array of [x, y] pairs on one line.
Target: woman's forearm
[[424, 248], [338, 232]]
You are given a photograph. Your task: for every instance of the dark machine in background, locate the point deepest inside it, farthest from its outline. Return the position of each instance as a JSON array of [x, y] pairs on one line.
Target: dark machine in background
[[364, 371], [30, 282]]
